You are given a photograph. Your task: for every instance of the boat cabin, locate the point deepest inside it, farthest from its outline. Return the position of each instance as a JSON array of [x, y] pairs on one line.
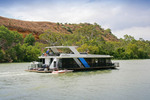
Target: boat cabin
[[56, 59]]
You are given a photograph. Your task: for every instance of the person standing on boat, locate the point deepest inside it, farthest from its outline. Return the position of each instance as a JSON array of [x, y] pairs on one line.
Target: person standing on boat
[[47, 52]]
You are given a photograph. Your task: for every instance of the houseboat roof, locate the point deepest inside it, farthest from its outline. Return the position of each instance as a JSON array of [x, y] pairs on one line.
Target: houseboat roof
[[78, 56], [75, 54], [72, 48], [61, 47]]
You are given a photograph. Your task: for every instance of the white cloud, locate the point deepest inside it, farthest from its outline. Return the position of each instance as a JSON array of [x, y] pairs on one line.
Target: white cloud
[[137, 32], [75, 13]]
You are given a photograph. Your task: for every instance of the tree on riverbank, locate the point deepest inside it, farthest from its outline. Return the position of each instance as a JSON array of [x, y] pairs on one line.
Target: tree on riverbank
[[13, 48]]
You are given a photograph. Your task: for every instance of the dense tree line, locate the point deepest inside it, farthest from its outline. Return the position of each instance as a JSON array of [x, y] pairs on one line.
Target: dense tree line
[[15, 48]]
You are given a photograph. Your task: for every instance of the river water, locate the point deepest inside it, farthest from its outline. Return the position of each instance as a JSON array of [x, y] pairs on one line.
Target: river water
[[131, 81]]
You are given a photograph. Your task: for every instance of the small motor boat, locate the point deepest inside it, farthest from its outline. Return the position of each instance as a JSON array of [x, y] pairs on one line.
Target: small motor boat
[[61, 71]]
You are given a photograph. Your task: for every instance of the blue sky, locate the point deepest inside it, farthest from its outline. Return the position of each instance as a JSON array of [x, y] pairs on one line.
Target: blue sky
[[130, 17]]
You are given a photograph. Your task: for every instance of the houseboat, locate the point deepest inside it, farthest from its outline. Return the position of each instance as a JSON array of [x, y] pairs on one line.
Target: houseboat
[[55, 59]]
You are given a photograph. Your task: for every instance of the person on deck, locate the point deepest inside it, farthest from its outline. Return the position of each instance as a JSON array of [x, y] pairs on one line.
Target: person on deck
[[47, 52]]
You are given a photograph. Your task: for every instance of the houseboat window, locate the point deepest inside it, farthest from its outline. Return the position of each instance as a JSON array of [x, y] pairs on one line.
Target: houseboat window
[[69, 63], [102, 61], [96, 62], [51, 60], [39, 65], [89, 61], [54, 63], [60, 63], [93, 62], [42, 60], [108, 62]]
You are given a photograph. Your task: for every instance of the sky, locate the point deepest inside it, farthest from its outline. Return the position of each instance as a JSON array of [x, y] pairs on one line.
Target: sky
[[130, 17]]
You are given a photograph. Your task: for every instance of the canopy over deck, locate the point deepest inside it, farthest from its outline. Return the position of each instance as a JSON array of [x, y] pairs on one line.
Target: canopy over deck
[[72, 48], [75, 54], [61, 46]]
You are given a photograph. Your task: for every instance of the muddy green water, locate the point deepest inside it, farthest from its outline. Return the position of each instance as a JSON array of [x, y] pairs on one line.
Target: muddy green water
[[130, 82]]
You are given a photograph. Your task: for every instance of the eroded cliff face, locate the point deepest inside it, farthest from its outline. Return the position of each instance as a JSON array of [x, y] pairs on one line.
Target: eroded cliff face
[[37, 28]]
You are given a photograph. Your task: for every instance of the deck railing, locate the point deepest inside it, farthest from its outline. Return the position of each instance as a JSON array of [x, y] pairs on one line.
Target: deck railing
[[51, 54]]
